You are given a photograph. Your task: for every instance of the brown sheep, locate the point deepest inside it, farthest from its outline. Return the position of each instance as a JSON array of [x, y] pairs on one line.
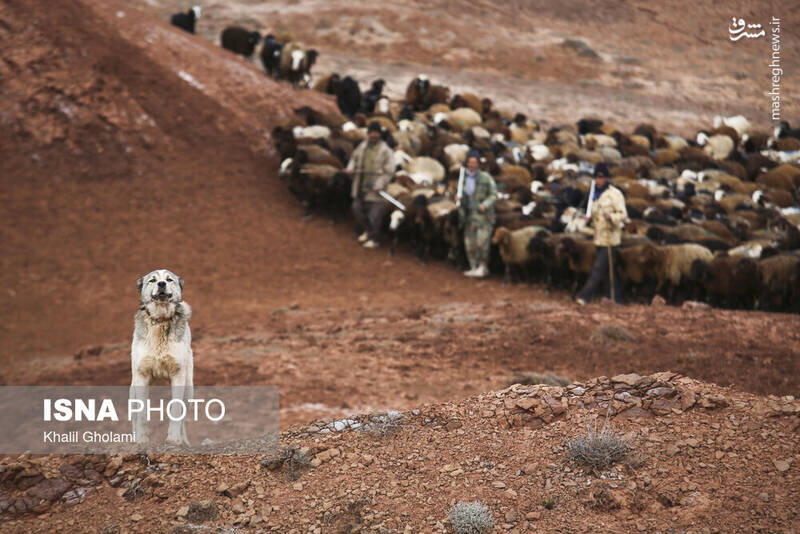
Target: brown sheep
[[785, 176], [513, 248], [467, 100], [666, 156], [780, 279], [326, 84], [579, 254], [672, 264]]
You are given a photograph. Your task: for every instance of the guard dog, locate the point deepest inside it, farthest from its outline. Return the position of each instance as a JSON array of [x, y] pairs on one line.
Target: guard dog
[[161, 349]]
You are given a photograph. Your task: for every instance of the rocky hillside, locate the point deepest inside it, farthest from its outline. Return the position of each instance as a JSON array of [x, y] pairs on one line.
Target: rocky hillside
[[702, 459]]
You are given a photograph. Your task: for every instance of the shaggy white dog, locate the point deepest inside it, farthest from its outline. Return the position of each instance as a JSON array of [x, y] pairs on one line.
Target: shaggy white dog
[[161, 348]]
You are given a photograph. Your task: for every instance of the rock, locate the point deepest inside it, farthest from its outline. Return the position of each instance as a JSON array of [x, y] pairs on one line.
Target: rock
[[113, 466], [658, 301], [50, 489], [781, 465], [453, 424], [530, 469], [671, 450], [498, 484], [182, 512], [200, 511], [238, 489], [533, 516], [368, 459], [629, 379], [136, 517], [297, 486], [222, 488]]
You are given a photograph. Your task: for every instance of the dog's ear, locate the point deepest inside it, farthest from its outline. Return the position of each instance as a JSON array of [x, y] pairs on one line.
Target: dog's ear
[[180, 282], [139, 284]]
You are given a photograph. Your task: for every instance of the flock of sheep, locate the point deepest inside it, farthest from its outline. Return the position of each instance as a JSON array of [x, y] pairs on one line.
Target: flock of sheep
[[713, 218], [281, 57]]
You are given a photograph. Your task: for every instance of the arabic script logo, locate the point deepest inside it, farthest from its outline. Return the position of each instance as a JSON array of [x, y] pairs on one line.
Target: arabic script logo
[[738, 27]]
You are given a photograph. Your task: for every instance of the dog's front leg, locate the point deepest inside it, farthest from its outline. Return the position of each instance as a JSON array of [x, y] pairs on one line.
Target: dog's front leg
[[176, 432], [140, 391]]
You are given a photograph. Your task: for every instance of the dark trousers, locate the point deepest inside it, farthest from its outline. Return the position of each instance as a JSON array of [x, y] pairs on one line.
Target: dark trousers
[[600, 278], [369, 217]]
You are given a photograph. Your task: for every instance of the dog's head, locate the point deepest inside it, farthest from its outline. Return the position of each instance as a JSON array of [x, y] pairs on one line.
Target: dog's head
[[160, 286]]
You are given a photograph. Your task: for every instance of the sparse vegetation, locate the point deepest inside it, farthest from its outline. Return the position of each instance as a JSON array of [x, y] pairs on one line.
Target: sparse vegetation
[[531, 379], [291, 458], [548, 502], [598, 449], [470, 518], [611, 333]]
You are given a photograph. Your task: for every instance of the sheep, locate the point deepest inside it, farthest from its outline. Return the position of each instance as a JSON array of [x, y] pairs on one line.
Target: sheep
[[468, 100], [460, 120], [317, 185], [425, 170], [738, 123], [371, 97], [784, 177], [454, 155], [541, 249], [271, 55], [240, 41], [728, 131], [427, 219], [586, 126], [675, 142], [348, 96], [579, 254], [513, 248], [728, 280], [773, 197], [311, 132], [783, 131], [672, 264], [296, 63], [634, 276], [417, 91], [719, 147], [328, 84], [780, 278], [186, 21]]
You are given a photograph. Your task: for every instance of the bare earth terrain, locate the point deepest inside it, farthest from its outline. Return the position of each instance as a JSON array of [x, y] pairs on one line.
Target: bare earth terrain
[[128, 145]]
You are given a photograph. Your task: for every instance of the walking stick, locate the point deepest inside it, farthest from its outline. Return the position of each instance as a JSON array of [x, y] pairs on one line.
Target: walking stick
[[611, 272]]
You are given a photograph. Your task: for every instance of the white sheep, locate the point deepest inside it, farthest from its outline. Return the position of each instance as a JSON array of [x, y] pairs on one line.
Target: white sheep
[[311, 132], [455, 154], [737, 122], [462, 119], [425, 170], [718, 146]]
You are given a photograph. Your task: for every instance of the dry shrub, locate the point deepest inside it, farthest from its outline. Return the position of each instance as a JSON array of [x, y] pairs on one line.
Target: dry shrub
[[470, 518], [532, 379], [598, 449], [611, 333]]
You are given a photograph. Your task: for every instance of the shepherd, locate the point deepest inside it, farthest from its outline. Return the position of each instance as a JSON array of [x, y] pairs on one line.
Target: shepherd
[[372, 167], [475, 199], [607, 214]]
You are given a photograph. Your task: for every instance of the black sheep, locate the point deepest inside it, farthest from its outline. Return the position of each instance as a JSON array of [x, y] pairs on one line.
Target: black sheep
[[782, 131], [349, 96], [586, 126], [371, 97], [271, 55], [240, 41], [186, 21]]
